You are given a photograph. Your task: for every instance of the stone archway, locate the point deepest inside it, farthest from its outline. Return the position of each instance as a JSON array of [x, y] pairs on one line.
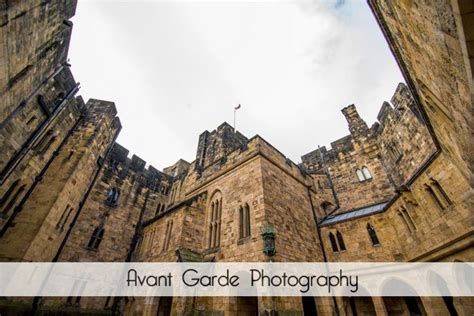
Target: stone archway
[[404, 305]]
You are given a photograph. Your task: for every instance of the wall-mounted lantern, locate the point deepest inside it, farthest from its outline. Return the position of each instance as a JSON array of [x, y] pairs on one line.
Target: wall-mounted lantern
[[268, 235]]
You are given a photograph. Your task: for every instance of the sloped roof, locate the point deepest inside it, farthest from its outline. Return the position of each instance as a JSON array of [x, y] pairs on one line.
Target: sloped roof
[[364, 211]]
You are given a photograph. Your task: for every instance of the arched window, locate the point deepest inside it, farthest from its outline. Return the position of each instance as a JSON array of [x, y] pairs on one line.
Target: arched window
[[244, 221], [438, 194], [332, 239], [96, 238], [366, 173], [373, 235], [405, 216], [360, 175], [169, 229], [64, 217], [215, 221], [113, 196], [340, 240]]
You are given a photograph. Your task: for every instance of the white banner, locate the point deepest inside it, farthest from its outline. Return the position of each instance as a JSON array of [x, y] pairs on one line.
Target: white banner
[[236, 279]]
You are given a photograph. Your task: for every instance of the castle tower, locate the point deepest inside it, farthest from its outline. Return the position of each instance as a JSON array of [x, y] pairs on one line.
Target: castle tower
[[357, 125]]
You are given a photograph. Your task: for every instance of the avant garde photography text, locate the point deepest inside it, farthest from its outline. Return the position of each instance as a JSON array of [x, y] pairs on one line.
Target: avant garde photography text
[[256, 277]]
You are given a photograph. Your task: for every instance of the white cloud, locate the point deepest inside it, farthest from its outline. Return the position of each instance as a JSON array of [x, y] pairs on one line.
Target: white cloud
[[175, 69]]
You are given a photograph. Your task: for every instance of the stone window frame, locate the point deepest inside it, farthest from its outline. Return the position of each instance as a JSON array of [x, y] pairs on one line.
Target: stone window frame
[[96, 238], [64, 218], [373, 235], [113, 194], [214, 220], [333, 242], [364, 174], [407, 219], [166, 241], [439, 197], [244, 222]]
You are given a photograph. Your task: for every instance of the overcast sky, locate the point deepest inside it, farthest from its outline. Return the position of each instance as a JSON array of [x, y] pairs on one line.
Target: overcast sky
[[175, 69]]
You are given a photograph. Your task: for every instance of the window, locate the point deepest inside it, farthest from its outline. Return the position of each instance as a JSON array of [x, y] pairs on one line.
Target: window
[[366, 173], [373, 235], [166, 242], [244, 220], [96, 238], [405, 216], [340, 240], [363, 174], [438, 195], [64, 218], [112, 196], [332, 239], [215, 221], [158, 209]]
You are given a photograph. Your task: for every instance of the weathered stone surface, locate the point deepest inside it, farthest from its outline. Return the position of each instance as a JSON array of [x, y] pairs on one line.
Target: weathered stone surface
[[69, 192]]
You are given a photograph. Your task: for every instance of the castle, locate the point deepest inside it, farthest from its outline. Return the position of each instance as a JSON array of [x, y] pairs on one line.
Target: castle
[[399, 190]]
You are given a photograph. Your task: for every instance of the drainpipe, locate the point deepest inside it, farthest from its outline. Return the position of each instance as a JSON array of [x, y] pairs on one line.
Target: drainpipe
[[318, 230]]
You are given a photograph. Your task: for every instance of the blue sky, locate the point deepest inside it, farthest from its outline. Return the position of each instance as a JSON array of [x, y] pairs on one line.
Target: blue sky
[[175, 69]]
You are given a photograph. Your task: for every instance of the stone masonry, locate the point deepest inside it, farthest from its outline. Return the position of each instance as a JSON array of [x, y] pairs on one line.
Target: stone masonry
[[397, 190]]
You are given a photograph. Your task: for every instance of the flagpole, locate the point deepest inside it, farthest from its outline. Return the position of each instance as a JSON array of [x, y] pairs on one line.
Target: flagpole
[[235, 110]]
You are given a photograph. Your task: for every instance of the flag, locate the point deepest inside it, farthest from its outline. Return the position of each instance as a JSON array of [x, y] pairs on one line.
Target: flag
[[237, 107]]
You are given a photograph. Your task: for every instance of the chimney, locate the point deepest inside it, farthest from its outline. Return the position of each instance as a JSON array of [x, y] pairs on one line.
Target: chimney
[[357, 125]]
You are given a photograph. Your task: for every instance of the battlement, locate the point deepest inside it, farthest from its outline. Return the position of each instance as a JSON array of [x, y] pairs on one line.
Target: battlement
[[217, 144], [119, 161]]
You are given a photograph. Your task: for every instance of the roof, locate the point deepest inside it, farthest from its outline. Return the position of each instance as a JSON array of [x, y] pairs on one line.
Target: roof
[[364, 211]]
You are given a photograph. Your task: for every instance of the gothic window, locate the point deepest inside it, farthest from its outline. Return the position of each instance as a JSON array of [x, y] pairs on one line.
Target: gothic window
[[12, 201], [366, 173], [112, 196], [332, 239], [405, 216], [215, 221], [340, 240], [363, 174], [96, 238], [169, 229], [244, 220], [373, 235], [64, 217], [438, 195]]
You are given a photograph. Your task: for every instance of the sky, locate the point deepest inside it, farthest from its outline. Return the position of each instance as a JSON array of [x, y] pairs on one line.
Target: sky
[[177, 68]]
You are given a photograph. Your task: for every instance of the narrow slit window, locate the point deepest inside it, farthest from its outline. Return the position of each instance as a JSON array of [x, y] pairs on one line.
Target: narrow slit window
[[340, 240], [332, 239], [373, 235]]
